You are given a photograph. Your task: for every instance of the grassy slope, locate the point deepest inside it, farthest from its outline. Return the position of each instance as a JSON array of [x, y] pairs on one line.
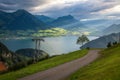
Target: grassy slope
[[107, 67], [43, 65]]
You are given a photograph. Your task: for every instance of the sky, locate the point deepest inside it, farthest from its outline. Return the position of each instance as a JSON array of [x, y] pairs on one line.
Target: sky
[[84, 10]]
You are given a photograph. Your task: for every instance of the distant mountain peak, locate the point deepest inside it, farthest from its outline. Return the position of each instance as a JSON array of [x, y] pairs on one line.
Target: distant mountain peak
[[114, 25], [41, 15], [44, 18], [70, 16], [115, 28], [21, 11], [66, 17]]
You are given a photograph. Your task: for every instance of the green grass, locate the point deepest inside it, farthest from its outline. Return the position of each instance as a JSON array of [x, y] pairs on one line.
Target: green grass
[[107, 67], [43, 65]]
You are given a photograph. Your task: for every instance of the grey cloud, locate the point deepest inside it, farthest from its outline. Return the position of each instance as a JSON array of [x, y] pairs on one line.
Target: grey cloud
[[79, 10], [20, 4], [115, 14], [109, 0]]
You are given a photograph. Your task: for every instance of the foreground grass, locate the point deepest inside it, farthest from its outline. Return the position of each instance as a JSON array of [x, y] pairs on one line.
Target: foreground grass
[[107, 67], [43, 65]]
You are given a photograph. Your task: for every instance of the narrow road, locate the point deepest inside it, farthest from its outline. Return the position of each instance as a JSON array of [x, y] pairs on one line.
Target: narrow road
[[64, 70]]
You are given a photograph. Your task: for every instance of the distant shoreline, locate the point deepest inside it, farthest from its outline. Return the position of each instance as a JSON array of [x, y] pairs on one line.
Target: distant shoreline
[[19, 38]]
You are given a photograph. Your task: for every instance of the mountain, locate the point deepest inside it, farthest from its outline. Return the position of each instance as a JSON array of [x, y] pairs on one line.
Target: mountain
[[20, 20], [64, 20], [67, 22], [23, 23], [4, 18], [102, 41], [115, 28], [23, 20], [45, 19]]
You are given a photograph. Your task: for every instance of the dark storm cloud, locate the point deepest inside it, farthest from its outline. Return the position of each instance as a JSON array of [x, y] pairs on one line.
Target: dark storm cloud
[[20, 4]]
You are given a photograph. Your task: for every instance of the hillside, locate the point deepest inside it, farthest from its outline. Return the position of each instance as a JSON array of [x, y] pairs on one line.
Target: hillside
[[44, 65], [8, 58], [20, 20], [107, 67], [20, 58], [102, 41], [3, 50]]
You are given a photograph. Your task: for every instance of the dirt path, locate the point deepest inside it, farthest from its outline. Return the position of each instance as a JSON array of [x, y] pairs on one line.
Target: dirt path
[[64, 70]]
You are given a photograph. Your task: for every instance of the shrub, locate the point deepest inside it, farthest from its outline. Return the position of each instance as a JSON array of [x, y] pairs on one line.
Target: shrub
[[109, 45], [88, 48], [114, 43]]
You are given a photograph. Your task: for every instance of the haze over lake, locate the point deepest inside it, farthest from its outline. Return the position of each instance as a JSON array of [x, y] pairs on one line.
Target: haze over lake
[[52, 45]]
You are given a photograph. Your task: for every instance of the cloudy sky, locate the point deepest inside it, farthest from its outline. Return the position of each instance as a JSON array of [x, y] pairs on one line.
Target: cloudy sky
[[83, 10]]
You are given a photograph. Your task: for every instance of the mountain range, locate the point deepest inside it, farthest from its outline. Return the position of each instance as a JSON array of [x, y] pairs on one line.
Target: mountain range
[[67, 22], [103, 41], [20, 20], [23, 20]]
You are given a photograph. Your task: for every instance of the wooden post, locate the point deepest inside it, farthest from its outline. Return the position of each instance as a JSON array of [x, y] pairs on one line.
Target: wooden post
[[37, 45]]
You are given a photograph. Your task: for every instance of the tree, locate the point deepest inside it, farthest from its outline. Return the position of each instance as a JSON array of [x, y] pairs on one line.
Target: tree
[[109, 45], [82, 39], [114, 43]]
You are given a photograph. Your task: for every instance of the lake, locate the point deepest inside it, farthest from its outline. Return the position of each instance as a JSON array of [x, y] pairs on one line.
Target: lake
[[52, 45]]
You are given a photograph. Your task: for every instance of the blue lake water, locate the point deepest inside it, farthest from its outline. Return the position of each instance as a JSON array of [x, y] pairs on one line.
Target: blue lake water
[[52, 45]]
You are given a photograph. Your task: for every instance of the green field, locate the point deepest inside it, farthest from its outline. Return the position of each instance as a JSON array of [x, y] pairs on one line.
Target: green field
[[107, 67], [43, 65]]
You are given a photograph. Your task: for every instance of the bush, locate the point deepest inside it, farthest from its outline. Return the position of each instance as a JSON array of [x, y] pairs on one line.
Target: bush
[[114, 43], [88, 48], [109, 45]]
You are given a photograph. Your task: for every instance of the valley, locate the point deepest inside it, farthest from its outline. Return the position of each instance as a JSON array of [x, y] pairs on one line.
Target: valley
[[59, 39]]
